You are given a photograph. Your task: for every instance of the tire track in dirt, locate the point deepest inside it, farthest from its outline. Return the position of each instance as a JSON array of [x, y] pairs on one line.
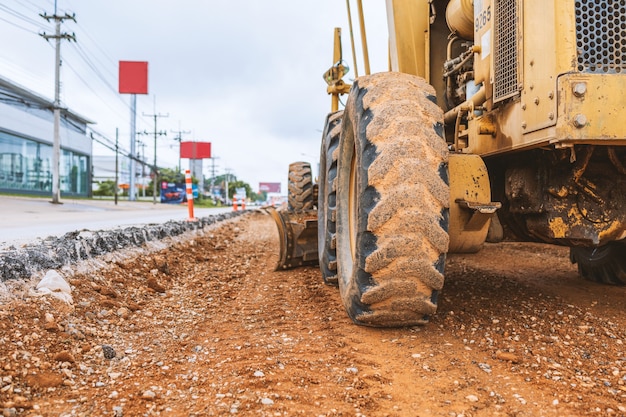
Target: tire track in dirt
[[207, 327]]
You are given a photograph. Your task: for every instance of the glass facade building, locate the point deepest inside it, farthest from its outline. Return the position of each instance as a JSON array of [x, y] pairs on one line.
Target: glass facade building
[[25, 165], [26, 128]]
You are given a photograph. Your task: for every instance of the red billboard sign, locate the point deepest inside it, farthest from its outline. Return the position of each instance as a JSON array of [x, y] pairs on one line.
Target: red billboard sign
[[133, 77], [269, 187], [195, 150]]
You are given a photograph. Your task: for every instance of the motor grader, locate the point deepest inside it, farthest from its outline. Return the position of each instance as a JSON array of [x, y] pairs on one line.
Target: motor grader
[[498, 120]]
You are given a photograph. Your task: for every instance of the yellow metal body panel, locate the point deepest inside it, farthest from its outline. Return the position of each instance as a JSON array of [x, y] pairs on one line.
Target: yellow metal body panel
[[557, 105], [549, 49], [469, 181], [588, 112], [408, 22], [483, 37], [460, 18], [591, 107], [539, 64]]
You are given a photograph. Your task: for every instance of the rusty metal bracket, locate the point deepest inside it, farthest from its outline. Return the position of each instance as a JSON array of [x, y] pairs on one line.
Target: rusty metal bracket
[[481, 213]]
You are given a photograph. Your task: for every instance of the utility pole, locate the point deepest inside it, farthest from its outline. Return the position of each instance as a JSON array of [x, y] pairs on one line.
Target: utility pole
[[213, 158], [117, 151], [143, 165], [179, 139], [156, 133], [56, 146], [133, 142], [227, 170]]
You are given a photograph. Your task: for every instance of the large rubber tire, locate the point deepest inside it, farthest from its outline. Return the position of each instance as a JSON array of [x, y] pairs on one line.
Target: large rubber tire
[[327, 199], [300, 190], [606, 264], [392, 201]]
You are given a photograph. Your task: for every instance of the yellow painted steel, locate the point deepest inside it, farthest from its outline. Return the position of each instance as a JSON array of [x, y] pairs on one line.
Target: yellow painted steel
[[334, 75], [557, 105], [546, 54], [591, 108], [460, 18], [469, 187], [354, 60], [409, 30], [366, 57], [483, 39], [588, 112]]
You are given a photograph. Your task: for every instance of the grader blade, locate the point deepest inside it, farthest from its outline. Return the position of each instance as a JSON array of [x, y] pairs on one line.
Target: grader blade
[[298, 237]]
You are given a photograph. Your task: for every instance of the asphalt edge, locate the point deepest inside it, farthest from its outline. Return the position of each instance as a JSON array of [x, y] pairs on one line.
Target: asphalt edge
[[81, 245]]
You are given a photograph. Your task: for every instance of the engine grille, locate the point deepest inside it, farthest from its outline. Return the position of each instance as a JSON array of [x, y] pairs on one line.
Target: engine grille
[[506, 49], [601, 35]]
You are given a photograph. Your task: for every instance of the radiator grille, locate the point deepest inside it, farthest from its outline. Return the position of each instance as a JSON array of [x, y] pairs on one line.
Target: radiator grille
[[601, 35], [506, 49]]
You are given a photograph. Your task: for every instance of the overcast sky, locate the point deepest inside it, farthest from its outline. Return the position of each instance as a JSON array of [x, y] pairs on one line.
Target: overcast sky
[[245, 75]]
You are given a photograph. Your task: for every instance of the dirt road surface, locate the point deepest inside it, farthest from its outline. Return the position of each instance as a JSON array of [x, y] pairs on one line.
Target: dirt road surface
[[206, 327]]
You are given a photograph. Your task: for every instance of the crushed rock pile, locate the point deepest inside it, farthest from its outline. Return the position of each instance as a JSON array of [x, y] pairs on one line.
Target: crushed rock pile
[[57, 252]]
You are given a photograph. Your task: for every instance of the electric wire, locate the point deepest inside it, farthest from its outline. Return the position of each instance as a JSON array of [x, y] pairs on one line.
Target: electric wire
[[95, 43], [17, 26], [92, 62], [24, 3], [89, 61], [81, 52], [23, 17], [88, 85]]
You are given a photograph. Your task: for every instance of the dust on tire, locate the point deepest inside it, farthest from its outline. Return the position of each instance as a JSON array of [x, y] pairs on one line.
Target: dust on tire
[[390, 266]]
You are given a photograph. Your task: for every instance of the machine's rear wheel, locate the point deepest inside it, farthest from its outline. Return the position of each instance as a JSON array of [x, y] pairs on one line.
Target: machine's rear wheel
[[327, 200], [392, 201], [300, 192], [606, 264]]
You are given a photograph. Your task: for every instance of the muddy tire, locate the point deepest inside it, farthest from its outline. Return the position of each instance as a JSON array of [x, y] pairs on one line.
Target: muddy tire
[[392, 201], [606, 264], [327, 199], [300, 190]]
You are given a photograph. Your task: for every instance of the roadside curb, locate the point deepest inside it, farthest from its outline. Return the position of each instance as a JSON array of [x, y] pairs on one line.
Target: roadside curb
[[56, 252]]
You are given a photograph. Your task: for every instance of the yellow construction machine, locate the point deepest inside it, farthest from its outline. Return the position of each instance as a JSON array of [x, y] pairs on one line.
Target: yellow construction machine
[[498, 119]]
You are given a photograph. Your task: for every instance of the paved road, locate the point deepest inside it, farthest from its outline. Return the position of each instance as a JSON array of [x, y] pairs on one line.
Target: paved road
[[24, 219]]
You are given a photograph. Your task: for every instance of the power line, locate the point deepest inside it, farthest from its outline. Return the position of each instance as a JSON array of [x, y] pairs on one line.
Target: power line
[[17, 26], [94, 68], [111, 60], [35, 7], [22, 17], [179, 139], [84, 56]]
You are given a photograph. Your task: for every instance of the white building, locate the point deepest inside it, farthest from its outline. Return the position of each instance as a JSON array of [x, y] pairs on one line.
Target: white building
[[104, 170], [26, 137]]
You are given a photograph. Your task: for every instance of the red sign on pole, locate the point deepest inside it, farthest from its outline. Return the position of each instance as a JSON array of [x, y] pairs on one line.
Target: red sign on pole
[[195, 150], [269, 187], [133, 77]]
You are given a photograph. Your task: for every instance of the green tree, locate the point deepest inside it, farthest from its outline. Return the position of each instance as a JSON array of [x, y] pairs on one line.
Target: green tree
[[105, 188], [232, 188], [171, 175], [233, 184]]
